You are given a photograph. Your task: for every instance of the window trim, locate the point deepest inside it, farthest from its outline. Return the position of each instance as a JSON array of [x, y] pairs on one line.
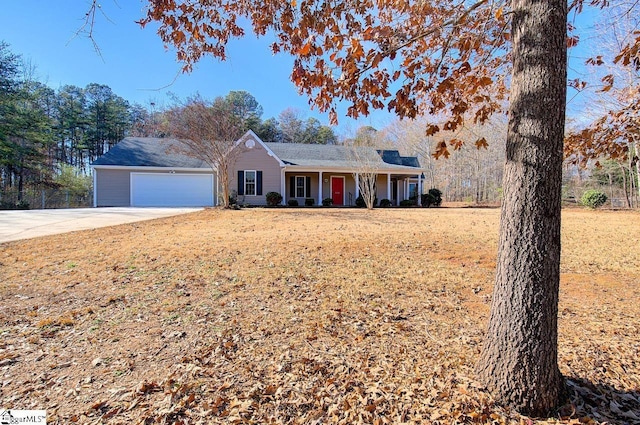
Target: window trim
[[304, 186], [255, 183]]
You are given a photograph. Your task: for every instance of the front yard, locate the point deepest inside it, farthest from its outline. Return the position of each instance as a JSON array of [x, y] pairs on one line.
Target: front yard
[[302, 316]]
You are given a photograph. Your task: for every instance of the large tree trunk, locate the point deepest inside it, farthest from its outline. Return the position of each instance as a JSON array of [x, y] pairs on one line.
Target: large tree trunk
[[519, 363]]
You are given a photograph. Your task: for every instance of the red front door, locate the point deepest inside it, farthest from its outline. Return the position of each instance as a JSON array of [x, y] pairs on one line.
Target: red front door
[[337, 190]]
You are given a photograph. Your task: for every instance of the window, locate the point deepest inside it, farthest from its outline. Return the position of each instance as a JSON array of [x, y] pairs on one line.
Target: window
[[301, 186], [413, 190], [249, 182]]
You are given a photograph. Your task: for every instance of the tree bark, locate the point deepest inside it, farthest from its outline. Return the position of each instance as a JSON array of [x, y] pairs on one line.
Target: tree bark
[[519, 360]]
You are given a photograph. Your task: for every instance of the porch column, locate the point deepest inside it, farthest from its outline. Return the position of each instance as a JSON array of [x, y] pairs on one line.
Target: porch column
[[389, 186], [320, 188], [419, 190], [283, 186], [357, 185]]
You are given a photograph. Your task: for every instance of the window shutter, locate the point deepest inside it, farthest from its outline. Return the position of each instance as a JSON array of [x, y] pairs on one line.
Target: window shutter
[[308, 188], [258, 182], [292, 187], [240, 182]]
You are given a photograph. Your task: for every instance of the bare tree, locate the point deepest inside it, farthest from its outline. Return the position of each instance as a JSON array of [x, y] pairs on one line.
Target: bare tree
[[366, 162], [473, 172], [209, 131], [291, 125], [611, 92]]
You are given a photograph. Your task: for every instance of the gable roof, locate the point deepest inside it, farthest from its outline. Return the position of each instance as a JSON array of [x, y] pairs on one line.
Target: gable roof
[[149, 152], [336, 156], [167, 153]]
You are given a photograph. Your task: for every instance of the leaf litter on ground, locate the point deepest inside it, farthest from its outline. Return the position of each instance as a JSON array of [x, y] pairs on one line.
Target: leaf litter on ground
[[302, 316]]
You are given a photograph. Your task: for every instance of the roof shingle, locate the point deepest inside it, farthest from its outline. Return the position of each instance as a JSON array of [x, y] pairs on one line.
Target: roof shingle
[[336, 156], [150, 152]]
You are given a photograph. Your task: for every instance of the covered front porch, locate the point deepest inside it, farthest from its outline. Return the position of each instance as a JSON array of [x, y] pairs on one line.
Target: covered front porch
[[343, 189]]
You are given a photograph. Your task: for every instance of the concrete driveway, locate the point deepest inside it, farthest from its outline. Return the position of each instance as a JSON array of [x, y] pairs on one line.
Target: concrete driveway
[[16, 225]]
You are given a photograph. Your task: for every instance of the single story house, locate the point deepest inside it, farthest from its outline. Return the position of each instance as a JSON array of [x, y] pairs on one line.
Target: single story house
[[144, 172]]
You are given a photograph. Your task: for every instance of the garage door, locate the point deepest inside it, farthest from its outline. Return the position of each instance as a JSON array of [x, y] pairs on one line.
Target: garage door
[[171, 190]]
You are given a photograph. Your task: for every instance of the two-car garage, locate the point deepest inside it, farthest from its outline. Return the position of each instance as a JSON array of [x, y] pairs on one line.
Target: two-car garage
[[171, 190], [152, 172], [122, 187]]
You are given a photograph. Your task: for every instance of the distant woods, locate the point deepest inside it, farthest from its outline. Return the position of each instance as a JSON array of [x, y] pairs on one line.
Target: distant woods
[[48, 136]]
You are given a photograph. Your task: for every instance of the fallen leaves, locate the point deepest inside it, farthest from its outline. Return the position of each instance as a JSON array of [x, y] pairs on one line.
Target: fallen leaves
[[370, 317]]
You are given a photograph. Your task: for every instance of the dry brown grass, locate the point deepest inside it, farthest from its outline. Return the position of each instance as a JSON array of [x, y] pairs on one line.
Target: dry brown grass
[[296, 316]]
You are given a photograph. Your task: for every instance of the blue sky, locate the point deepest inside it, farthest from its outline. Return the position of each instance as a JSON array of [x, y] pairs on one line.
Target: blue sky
[[137, 67]]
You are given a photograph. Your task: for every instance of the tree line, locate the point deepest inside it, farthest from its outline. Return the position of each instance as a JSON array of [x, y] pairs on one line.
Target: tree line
[[45, 131], [49, 137], [289, 127]]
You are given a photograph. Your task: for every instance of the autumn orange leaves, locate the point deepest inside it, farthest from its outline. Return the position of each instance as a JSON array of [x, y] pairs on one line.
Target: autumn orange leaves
[[409, 58]]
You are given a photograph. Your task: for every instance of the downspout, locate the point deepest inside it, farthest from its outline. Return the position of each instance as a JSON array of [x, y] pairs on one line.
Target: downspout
[[95, 189], [283, 187], [419, 190], [216, 188]]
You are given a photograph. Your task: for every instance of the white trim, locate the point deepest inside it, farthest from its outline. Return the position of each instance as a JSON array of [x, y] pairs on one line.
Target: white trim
[[389, 186], [320, 188], [344, 188], [255, 182], [304, 186], [345, 170], [144, 169], [253, 135], [283, 186], [95, 189]]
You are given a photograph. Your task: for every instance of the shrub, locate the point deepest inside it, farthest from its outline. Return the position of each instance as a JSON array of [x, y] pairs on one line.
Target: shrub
[[68, 179], [327, 202], [432, 199], [273, 199], [385, 203], [407, 203], [22, 205], [361, 204], [593, 199], [233, 198], [308, 202], [292, 202]]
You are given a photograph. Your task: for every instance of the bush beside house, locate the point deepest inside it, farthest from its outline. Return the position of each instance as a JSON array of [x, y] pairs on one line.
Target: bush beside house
[[273, 199]]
